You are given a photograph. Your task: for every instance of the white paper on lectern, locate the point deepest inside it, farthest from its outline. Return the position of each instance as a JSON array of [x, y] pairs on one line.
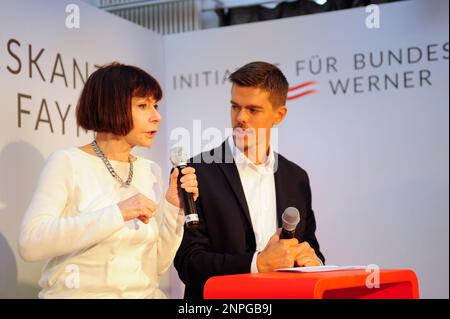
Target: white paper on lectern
[[320, 268]]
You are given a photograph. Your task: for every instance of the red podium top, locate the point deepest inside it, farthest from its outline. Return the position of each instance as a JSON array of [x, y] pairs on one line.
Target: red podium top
[[340, 284]]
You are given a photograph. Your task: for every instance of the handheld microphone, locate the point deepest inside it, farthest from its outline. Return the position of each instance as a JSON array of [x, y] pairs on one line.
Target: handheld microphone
[[179, 160], [290, 218]]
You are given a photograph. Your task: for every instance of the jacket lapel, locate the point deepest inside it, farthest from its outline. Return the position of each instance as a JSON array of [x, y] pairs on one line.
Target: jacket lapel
[[284, 193], [280, 191], [231, 173]]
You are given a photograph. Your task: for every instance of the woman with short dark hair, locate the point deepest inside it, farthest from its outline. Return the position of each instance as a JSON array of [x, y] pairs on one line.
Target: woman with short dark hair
[[98, 214]]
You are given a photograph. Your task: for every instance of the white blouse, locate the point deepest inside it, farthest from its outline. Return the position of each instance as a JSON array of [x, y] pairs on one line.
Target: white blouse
[[74, 222]]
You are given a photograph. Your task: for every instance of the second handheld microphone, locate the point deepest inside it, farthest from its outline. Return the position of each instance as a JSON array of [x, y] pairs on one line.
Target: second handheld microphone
[[290, 218]]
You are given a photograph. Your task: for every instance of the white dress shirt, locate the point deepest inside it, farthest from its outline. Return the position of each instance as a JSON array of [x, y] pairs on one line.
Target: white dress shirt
[[258, 183], [74, 222]]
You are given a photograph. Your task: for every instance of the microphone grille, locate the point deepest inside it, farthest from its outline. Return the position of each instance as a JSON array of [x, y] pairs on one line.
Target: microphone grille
[[291, 216], [177, 156]]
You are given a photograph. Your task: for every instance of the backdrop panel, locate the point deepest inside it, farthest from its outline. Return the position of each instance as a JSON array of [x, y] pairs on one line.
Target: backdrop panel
[[373, 137], [43, 65]]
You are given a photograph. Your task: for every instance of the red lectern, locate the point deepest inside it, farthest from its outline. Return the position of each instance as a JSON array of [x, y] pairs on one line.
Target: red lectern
[[339, 284]]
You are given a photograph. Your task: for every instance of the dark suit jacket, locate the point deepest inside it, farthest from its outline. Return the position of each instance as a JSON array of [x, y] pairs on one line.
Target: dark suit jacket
[[225, 242]]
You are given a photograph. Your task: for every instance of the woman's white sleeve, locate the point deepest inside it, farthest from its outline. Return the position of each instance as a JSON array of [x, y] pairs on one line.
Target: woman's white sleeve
[[170, 220], [45, 232]]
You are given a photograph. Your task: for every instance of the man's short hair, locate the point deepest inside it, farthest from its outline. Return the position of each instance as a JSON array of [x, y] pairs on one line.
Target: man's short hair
[[105, 102], [264, 76]]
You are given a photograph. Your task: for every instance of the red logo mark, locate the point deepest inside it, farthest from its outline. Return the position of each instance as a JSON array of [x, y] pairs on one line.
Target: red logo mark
[[301, 93]]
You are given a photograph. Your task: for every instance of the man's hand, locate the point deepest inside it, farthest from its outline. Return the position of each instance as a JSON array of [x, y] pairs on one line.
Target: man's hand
[[306, 257], [278, 253]]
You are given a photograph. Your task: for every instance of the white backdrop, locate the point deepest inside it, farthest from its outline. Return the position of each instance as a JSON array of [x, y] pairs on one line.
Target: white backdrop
[[377, 157], [377, 160], [101, 38]]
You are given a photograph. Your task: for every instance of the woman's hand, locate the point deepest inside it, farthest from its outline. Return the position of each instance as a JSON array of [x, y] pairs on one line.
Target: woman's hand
[[188, 182], [137, 206]]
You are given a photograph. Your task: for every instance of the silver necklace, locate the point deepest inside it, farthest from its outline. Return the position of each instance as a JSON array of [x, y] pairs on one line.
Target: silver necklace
[[108, 165]]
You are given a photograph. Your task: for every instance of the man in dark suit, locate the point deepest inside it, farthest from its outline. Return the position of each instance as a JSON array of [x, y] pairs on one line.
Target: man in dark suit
[[245, 187]]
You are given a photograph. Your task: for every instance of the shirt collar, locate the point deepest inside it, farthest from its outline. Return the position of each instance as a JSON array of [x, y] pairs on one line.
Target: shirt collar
[[243, 162]]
